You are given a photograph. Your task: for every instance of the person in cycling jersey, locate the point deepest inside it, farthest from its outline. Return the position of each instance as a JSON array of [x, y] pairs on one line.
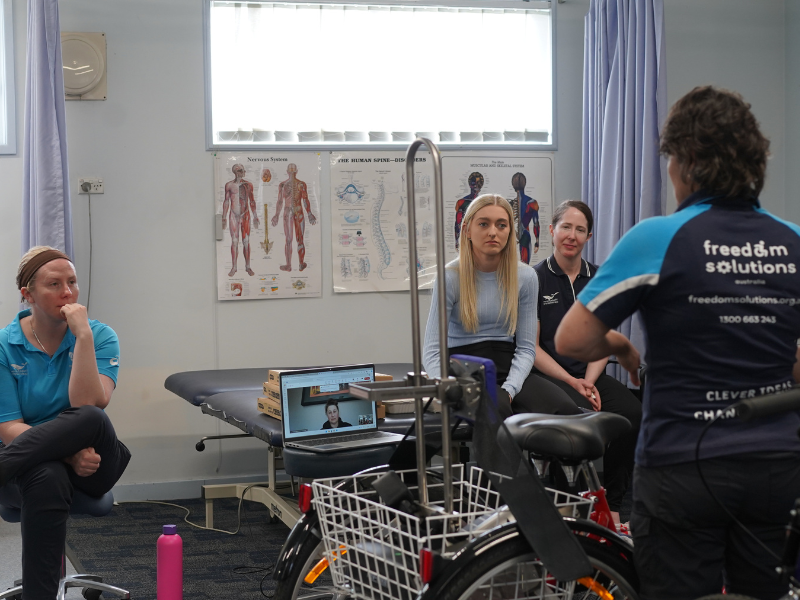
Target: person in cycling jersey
[[716, 283]]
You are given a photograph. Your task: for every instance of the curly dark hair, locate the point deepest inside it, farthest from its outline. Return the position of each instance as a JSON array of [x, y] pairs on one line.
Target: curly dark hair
[[715, 139], [562, 208]]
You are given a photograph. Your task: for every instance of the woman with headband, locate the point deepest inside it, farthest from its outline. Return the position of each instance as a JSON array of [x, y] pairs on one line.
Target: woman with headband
[[58, 370]]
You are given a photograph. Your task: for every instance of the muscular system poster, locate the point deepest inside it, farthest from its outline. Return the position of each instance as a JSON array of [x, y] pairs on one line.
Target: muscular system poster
[[524, 179], [271, 242], [369, 221]]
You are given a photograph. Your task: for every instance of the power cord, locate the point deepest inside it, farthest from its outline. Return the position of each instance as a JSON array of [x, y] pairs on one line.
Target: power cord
[[188, 511], [87, 187], [241, 570], [247, 570], [91, 252]]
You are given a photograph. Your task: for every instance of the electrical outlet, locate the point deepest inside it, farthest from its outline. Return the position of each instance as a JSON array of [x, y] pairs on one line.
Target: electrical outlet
[[95, 185]]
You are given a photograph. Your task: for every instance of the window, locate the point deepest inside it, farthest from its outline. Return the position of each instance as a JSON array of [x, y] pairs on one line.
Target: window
[[8, 113], [468, 73]]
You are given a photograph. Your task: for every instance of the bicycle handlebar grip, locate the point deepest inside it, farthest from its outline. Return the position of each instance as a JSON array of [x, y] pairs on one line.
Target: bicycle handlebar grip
[[769, 404]]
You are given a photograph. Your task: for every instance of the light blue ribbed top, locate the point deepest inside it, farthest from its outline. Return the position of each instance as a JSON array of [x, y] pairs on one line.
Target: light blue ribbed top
[[491, 323]]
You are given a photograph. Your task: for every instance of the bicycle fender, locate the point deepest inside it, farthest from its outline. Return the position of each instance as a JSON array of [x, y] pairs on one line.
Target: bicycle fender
[[619, 543], [304, 531], [455, 565]]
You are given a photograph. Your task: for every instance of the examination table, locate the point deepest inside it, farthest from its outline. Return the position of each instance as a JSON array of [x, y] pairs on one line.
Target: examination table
[[230, 395]]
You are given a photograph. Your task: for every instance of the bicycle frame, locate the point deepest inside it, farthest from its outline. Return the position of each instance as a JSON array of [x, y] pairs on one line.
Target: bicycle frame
[[599, 526], [555, 543]]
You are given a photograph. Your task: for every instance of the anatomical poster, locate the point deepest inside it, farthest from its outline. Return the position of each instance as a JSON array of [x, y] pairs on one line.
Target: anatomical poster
[[269, 244], [369, 221], [524, 179]]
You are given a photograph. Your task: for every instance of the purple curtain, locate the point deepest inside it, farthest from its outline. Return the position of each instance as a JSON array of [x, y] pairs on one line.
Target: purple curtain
[[624, 107], [46, 210]]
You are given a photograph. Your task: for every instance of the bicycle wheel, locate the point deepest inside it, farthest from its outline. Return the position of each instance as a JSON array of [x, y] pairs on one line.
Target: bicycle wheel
[[293, 587], [512, 570]]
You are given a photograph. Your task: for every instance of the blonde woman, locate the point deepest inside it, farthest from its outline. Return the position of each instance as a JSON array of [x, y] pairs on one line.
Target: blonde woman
[[491, 310], [58, 370]]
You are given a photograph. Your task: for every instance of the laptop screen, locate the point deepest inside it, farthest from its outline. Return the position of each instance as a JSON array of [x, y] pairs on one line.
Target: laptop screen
[[317, 402]]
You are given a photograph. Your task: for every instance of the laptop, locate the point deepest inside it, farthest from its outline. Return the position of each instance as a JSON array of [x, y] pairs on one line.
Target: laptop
[[320, 414]]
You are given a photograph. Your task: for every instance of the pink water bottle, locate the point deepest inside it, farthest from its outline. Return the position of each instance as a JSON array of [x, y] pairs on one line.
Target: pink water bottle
[[169, 551]]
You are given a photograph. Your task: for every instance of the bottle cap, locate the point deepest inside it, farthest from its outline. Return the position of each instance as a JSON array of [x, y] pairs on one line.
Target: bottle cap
[[170, 529]]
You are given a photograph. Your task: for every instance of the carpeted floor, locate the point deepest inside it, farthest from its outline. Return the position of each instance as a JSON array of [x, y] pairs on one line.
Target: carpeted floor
[[121, 547]]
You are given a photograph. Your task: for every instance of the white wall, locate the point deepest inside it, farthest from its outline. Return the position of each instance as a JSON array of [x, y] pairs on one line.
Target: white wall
[[793, 110], [153, 264], [739, 45]]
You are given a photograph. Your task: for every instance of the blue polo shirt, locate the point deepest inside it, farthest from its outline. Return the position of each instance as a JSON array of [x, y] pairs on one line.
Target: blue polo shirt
[[718, 288], [35, 387]]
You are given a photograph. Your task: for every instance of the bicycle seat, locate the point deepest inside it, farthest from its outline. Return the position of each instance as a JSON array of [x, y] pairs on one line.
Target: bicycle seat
[[567, 437]]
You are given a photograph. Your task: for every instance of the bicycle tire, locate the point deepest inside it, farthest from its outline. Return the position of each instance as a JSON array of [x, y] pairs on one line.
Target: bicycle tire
[[512, 570], [293, 587]]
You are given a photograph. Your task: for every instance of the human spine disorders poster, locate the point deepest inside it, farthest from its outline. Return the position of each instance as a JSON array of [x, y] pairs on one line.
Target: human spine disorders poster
[[269, 207], [369, 221]]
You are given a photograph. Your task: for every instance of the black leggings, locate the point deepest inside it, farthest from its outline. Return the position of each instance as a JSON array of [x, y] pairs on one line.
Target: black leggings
[[543, 394], [536, 395], [34, 478], [618, 459]]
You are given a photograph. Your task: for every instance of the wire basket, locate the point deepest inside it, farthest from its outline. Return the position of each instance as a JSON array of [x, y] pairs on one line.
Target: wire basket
[[373, 550]]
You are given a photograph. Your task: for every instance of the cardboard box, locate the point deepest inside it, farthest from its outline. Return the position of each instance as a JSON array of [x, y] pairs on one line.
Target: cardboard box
[[270, 407], [275, 396], [380, 409], [274, 376], [272, 388]]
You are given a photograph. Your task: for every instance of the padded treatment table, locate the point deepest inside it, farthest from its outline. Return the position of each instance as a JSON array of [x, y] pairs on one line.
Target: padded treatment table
[[196, 386], [230, 395]]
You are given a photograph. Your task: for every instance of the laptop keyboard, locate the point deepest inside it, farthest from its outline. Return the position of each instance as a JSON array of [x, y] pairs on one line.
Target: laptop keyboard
[[343, 438]]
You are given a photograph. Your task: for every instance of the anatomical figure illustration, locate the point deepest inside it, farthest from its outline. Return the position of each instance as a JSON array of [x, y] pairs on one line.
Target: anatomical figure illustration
[[475, 181], [350, 194], [238, 203], [266, 244], [346, 269], [363, 267], [528, 218], [293, 197], [384, 254]]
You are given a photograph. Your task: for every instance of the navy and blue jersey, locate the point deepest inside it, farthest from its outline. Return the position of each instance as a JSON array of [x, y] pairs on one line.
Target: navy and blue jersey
[[718, 288]]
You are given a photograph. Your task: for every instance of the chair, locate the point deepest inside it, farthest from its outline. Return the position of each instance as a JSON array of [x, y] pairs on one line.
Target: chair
[[92, 585]]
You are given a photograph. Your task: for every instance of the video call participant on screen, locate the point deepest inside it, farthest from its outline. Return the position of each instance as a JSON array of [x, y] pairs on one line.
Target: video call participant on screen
[[332, 412]]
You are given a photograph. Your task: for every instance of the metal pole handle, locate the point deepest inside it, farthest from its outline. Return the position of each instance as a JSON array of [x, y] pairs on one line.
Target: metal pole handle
[[415, 318]]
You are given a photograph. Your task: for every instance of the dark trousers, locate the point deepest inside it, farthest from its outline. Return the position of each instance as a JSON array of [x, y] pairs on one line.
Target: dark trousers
[[34, 478], [536, 395], [618, 458], [687, 547], [543, 394]]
